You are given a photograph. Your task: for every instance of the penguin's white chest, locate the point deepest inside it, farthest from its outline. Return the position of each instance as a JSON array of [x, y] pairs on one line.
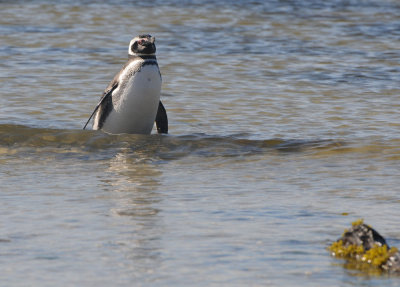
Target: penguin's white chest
[[135, 102]]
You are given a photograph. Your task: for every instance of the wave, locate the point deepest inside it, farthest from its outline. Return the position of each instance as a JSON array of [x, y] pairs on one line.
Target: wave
[[19, 138]]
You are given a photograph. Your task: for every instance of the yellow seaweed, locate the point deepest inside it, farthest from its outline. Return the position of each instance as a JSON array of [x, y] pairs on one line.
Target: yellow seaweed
[[357, 222], [378, 255], [347, 252]]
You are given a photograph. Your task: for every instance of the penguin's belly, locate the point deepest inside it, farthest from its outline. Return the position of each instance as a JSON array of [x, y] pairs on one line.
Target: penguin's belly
[[135, 103]]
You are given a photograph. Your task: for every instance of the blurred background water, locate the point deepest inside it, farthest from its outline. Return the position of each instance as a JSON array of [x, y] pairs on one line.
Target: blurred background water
[[284, 123]]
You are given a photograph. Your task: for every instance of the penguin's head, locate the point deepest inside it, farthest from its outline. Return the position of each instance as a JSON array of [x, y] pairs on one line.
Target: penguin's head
[[142, 45]]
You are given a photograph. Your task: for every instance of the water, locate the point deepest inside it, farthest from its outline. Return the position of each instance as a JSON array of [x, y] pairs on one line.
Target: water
[[283, 129]]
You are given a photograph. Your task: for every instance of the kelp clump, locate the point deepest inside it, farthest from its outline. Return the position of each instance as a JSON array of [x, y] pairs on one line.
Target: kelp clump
[[365, 249]]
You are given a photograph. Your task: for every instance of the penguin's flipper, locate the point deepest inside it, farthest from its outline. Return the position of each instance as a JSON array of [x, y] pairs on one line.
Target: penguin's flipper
[[162, 119], [106, 94]]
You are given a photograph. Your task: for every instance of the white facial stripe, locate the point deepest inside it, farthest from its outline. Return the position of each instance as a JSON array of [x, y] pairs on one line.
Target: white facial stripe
[[130, 52]]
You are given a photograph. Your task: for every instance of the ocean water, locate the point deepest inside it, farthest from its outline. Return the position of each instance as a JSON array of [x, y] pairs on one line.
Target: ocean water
[[284, 128]]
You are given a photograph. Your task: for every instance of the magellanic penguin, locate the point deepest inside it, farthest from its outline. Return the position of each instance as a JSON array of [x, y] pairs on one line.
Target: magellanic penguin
[[131, 102]]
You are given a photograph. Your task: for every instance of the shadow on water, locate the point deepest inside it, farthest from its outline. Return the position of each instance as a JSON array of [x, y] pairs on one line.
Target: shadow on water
[[15, 139]]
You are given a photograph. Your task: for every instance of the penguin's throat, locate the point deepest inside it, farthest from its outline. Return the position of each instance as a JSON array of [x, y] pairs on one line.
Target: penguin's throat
[[142, 56]]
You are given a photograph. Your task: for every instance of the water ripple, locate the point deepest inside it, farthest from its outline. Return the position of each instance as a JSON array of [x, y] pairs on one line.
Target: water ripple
[[166, 147]]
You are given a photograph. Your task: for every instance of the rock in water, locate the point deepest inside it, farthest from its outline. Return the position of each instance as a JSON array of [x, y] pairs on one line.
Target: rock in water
[[366, 249]]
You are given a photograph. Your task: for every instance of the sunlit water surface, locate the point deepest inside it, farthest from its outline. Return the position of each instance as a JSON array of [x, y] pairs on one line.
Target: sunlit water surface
[[284, 128]]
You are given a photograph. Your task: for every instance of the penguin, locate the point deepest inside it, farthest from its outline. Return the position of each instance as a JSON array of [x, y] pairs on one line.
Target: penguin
[[131, 102]]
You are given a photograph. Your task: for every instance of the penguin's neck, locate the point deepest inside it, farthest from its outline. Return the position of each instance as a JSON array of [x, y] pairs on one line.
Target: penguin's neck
[[142, 56]]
